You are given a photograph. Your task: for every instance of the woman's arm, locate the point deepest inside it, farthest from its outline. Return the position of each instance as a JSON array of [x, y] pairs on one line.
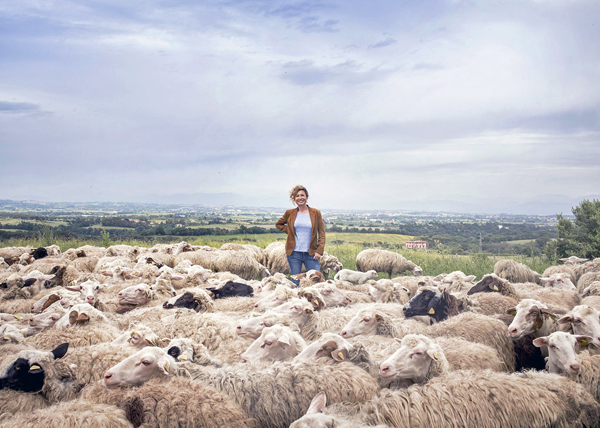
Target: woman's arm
[[321, 232], [282, 223]]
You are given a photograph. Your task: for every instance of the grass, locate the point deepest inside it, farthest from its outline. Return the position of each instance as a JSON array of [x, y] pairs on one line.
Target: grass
[[344, 246]]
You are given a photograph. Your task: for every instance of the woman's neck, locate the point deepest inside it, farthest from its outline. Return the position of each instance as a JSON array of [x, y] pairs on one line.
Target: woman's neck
[[303, 209]]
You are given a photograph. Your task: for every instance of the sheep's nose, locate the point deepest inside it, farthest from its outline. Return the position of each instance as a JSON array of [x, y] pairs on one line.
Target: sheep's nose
[[512, 331], [90, 299], [575, 367], [383, 370], [107, 375], [344, 333], [239, 328]]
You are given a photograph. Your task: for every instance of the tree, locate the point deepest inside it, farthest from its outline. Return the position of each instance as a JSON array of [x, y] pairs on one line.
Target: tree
[[580, 237]]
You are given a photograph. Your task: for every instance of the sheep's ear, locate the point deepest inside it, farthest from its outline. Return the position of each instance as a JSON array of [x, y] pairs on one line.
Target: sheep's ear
[[60, 350], [164, 364], [548, 313], [540, 341], [317, 403], [433, 354], [512, 312], [566, 319], [284, 341], [378, 317], [470, 278], [583, 340]]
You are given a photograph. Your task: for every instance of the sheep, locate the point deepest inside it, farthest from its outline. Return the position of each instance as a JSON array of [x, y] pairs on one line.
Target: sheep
[[561, 269], [436, 303], [271, 282], [421, 358], [332, 295], [550, 296], [333, 348], [586, 280], [276, 343], [172, 402], [387, 291], [515, 272], [71, 413], [560, 280], [185, 350], [33, 371], [469, 399], [10, 334], [584, 321], [256, 252], [355, 276], [372, 321], [385, 261], [253, 325], [314, 296], [279, 394], [532, 317], [280, 295], [137, 337], [239, 263], [319, 416], [147, 363], [563, 359]]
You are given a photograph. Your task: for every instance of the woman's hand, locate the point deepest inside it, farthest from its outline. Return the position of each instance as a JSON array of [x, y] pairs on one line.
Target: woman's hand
[[317, 256]]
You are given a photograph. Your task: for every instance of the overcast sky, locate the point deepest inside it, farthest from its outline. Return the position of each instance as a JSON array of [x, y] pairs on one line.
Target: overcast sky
[[367, 103]]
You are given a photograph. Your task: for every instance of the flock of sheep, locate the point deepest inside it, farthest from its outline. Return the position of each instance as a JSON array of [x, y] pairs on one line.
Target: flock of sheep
[[181, 336]]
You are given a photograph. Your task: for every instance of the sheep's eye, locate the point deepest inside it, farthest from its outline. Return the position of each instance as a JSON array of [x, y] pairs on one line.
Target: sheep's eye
[[577, 321], [366, 319], [268, 324], [268, 342], [146, 362]]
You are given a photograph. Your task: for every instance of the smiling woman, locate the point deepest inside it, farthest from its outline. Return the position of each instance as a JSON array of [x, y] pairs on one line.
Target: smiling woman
[[305, 233]]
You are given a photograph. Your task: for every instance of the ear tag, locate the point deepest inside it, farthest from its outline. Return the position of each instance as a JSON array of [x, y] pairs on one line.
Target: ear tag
[[74, 282], [197, 301], [34, 367], [431, 311], [495, 288], [166, 367], [583, 342], [182, 357], [316, 302], [17, 317], [341, 356], [294, 277], [5, 338], [436, 356]]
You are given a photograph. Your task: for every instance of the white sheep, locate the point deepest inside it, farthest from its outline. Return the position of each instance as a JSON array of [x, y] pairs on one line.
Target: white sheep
[[564, 359], [385, 261], [276, 343]]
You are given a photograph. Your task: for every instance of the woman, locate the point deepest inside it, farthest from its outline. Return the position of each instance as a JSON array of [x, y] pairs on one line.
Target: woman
[[305, 233]]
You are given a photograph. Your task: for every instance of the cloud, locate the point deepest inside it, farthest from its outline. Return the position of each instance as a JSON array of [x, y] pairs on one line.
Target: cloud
[[387, 42], [16, 107]]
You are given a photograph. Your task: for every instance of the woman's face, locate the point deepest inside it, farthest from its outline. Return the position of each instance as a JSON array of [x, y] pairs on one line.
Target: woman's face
[[301, 198]]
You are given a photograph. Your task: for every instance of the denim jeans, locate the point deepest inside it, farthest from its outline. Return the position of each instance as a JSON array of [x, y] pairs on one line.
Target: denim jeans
[[297, 259]]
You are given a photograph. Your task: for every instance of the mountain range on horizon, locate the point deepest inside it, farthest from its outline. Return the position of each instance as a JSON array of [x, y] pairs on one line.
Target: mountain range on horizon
[[540, 205], [544, 205]]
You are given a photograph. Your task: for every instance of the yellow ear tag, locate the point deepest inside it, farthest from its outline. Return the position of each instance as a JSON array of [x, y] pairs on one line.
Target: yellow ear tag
[[17, 317], [583, 342], [436, 356], [182, 357], [294, 277], [166, 367], [316, 302], [74, 282], [341, 356], [495, 288], [34, 367], [431, 311], [6, 338]]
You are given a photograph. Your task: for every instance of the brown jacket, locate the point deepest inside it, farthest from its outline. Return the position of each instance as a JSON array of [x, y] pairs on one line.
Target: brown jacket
[[317, 235]]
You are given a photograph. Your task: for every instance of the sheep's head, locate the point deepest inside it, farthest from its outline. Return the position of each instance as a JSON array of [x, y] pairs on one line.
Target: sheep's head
[[34, 371]]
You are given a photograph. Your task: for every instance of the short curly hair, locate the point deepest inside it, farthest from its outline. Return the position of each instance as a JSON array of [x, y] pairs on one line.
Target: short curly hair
[[295, 191]]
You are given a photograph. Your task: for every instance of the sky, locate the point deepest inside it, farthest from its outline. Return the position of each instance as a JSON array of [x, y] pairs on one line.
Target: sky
[[369, 104]]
